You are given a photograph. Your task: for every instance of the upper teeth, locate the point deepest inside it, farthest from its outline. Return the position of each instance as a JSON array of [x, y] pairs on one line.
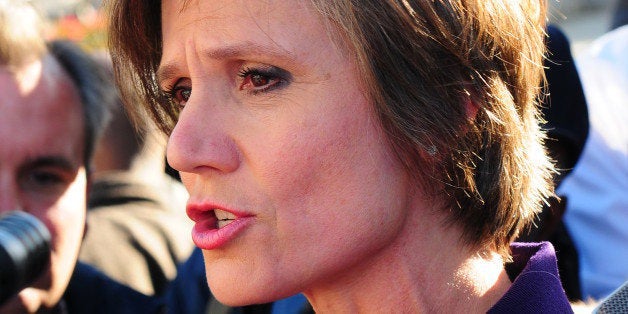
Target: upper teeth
[[224, 215]]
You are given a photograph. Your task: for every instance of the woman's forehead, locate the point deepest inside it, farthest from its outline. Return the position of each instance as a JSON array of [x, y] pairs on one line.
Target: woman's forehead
[[291, 32]]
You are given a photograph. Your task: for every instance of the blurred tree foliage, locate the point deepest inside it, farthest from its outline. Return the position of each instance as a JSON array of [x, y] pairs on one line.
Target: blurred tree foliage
[[85, 25]]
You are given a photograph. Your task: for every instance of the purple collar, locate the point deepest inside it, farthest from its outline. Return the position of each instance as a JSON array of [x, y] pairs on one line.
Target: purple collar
[[536, 287]]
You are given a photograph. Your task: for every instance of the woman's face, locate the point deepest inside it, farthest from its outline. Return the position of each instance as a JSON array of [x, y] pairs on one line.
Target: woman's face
[[292, 183]]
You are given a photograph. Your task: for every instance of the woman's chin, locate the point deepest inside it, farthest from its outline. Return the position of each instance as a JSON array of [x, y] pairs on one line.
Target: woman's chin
[[239, 296], [244, 292]]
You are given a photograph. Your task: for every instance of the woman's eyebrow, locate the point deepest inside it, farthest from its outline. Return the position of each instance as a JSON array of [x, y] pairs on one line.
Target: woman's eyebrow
[[244, 50], [165, 72]]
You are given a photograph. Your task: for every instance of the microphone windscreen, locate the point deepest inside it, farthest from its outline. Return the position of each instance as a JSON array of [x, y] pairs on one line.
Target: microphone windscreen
[[616, 302], [24, 251]]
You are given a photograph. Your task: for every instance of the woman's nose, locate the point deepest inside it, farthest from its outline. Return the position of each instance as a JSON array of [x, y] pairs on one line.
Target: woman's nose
[[201, 142]]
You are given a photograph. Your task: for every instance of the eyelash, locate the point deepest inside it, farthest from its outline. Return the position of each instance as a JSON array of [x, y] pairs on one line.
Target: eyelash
[[170, 94], [276, 78]]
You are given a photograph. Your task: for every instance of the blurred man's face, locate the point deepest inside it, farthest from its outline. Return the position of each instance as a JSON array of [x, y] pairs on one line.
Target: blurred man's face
[[42, 169]]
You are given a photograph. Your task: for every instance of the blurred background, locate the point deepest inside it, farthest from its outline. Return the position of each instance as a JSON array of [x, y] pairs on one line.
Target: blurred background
[[82, 20], [582, 20]]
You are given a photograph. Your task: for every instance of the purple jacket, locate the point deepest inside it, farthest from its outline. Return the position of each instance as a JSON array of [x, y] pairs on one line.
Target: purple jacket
[[536, 287]]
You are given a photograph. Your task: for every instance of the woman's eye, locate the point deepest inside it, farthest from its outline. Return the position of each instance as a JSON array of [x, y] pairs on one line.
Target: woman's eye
[[180, 93], [262, 79]]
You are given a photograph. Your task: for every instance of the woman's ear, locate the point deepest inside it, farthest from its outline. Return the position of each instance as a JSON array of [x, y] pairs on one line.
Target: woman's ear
[[470, 108]]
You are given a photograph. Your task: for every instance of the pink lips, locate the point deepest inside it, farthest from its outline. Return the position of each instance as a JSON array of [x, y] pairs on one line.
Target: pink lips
[[206, 234]]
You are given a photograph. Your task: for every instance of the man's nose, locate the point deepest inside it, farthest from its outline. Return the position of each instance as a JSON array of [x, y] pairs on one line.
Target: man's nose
[[9, 198]]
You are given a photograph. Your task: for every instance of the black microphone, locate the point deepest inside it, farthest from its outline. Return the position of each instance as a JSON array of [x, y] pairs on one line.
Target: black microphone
[[24, 251]]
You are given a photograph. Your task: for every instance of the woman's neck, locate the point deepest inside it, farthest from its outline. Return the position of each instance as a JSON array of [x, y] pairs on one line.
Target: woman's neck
[[426, 269]]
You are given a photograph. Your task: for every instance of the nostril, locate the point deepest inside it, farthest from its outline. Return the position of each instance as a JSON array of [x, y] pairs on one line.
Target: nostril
[[193, 148]]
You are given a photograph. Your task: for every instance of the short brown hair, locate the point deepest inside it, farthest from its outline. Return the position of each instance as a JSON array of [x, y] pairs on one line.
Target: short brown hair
[[425, 63], [21, 34]]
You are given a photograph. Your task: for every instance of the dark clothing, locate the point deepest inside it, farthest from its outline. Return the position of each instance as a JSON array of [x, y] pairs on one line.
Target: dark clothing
[[565, 109], [189, 293], [137, 232], [620, 14], [567, 124], [92, 292], [536, 287]]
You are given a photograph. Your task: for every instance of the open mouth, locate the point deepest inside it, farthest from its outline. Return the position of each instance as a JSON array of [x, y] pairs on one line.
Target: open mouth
[[215, 227], [223, 218]]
